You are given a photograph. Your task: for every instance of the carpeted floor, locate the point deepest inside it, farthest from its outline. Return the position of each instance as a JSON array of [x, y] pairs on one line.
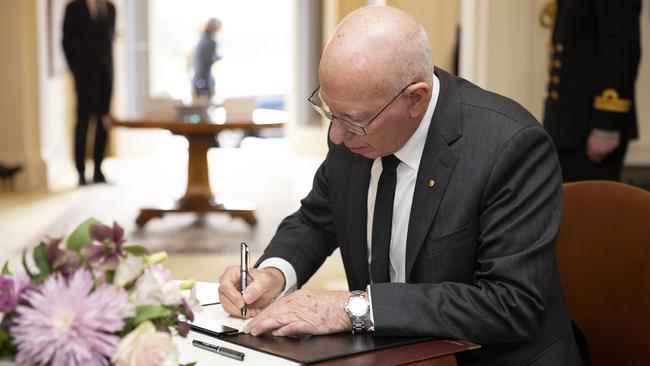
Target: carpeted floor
[[263, 172]]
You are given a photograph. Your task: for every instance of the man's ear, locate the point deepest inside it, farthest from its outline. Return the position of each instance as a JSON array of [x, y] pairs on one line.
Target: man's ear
[[418, 96]]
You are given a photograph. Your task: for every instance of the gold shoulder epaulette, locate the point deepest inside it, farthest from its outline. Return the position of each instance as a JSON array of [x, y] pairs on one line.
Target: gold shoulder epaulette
[[548, 14], [610, 102]]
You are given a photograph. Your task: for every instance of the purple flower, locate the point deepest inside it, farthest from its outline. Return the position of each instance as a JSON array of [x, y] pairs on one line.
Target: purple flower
[[61, 260], [12, 289], [65, 322], [106, 249], [8, 296], [188, 310]]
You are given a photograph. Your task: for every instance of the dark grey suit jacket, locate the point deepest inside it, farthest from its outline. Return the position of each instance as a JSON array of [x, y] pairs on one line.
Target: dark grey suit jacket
[[480, 252]]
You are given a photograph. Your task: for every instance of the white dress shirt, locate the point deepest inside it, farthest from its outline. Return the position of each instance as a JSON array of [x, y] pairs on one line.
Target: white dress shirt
[[409, 155]]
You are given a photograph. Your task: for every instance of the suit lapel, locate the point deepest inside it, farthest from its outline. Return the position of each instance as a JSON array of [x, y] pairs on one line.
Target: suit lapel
[[357, 221], [436, 167]]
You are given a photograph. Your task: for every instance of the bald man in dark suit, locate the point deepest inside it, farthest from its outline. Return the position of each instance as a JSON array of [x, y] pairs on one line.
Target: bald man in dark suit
[[443, 198]]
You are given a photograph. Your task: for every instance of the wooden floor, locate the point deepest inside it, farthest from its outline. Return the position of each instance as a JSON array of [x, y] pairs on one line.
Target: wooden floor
[[262, 171]]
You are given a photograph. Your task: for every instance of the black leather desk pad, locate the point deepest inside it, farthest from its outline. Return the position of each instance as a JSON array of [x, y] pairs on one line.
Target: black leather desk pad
[[310, 349]]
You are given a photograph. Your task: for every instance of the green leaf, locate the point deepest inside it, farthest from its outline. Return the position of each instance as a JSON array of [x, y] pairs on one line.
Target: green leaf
[[5, 269], [81, 235], [4, 336], [40, 259], [189, 364], [147, 312], [129, 325], [110, 276], [30, 274], [136, 250]]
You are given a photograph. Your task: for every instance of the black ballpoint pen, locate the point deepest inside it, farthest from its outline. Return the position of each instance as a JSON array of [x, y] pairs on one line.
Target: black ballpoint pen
[[220, 350], [244, 258]]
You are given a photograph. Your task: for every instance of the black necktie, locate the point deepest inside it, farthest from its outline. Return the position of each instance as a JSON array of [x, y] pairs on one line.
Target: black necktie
[[382, 221]]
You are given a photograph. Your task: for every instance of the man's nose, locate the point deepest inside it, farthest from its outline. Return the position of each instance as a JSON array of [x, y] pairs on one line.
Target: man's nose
[[339, 133]]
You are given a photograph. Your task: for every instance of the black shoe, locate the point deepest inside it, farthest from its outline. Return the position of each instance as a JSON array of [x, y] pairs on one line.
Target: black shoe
[[99, 178], [9, 171], [82, 181]]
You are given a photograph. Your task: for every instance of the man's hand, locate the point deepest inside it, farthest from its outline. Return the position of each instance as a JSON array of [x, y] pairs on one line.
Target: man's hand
[[303, 312], [264, 285], [600, 144]]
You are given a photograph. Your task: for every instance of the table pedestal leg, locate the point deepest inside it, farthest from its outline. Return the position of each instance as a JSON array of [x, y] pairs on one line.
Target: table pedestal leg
[[198, 195]]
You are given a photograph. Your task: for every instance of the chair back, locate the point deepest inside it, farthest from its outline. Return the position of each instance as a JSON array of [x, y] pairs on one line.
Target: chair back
[[603, 252]]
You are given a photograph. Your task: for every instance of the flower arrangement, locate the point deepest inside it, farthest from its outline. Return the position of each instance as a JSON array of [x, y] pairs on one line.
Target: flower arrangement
[[92, 301]]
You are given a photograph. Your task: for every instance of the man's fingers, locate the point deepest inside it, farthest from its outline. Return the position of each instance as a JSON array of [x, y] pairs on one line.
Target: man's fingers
[[232, 295], [252, 312], [231, 308], [267, 320], [255, 289], [291, 329], [260, 326], [230, 276]]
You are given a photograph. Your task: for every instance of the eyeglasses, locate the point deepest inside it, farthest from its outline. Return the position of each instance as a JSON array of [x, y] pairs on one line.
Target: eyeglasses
[[357, 128]]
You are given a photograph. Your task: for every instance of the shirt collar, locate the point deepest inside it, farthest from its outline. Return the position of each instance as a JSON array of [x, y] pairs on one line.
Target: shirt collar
[[411, 153]]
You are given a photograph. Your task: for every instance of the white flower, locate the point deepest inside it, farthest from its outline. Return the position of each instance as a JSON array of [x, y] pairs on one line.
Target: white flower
[[193, 301], [156, 287], [145, 346], [128, 270], [172, 294]]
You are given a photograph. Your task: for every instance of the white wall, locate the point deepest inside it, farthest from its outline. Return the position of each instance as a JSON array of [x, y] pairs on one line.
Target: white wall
[[19, 96], [639, 151]]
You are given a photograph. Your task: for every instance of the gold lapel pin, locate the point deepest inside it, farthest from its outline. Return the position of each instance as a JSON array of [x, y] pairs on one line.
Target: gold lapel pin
[[431, 183]]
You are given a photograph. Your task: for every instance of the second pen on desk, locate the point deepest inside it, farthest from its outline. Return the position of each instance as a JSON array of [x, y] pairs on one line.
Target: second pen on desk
[[244, 259]]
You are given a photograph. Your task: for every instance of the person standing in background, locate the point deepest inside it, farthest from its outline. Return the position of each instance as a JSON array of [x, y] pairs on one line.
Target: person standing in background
[[204, 56], [590, 109], [88, 33]]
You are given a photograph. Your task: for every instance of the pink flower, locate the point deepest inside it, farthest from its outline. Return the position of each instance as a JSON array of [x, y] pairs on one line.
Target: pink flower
[[67, 323], [145, 346]]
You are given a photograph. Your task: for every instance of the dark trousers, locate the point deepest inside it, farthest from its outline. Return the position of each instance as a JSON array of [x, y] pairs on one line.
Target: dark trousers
[[93, 100], [576, 166]]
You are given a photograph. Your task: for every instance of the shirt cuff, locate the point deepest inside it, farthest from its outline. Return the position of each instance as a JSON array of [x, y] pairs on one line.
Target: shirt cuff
[[606, 133], [372, 318], [290, 280]]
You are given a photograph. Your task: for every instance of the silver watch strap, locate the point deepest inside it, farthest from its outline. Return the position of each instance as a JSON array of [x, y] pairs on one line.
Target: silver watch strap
[[358, 323]]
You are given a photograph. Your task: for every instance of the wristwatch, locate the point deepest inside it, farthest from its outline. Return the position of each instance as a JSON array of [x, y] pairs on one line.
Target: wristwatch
[[357, 308]]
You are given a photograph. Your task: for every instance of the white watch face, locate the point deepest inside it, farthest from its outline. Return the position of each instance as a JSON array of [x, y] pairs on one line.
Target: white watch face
[[358, 306]]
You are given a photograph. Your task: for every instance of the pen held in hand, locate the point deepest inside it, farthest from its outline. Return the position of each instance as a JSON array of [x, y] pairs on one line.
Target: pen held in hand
[[244, 263]]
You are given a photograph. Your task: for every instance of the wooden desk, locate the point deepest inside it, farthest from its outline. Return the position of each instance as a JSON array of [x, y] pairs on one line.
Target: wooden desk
[[403, 355], [198, 196]]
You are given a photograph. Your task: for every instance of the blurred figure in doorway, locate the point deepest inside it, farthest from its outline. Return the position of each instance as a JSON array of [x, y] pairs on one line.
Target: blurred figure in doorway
[[204, 56], [88, 33]]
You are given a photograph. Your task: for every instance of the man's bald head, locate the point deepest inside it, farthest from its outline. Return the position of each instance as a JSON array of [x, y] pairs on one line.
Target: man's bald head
[[378, 50]]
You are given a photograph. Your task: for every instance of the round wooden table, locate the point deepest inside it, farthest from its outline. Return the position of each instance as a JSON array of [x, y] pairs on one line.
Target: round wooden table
[[200, 133]]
